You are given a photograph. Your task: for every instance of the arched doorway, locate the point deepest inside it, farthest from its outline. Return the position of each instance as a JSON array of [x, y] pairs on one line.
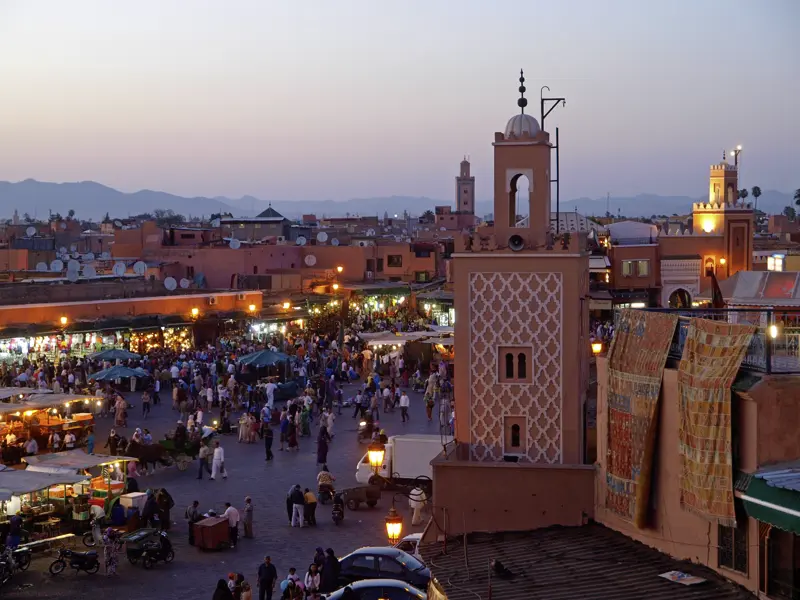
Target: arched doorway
[[680, 298]]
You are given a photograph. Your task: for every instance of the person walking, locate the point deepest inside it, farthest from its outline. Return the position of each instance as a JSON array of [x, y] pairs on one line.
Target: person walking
[[323, 439], [145, 403], [298, 503], [233, 523], [404, 403], [218, 462], [267, 578], [248, 517], [310, 508], [203, 456], [330, 572], [268, 439]]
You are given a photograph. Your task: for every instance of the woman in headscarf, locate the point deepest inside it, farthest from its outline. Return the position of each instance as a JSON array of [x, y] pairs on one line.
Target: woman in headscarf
[[222, 592], [330, 572], [291, 435], [111, 545], [323, 439]]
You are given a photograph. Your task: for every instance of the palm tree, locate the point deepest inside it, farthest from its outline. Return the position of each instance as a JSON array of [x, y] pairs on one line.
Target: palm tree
[[743, 193], [797, 196], [71, 214], [756, 192], [790, 212]]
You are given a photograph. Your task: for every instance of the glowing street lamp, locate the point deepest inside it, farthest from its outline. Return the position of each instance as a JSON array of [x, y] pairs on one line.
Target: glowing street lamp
[[597, 347], [394, 526], [375, 453], [722, 261], [287, 305], [773, 331], [195, 311], [335, 286], [339, 269], [252, 308], [64, 321]]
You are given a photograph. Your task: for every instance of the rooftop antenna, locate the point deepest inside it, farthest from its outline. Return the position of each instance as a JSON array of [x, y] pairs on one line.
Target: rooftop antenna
[[546, 106]]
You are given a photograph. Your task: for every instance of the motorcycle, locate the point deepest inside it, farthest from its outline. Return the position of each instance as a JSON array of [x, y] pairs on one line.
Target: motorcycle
[[337, 514], [325, 493], [92, 537], [80, 561], [18, 559], [156, 551], [365, 429], [6, 570]]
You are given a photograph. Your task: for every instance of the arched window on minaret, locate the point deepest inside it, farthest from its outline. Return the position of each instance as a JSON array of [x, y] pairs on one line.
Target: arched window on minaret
[[519, 202], [509, 365], [522, 366], [515, 440]]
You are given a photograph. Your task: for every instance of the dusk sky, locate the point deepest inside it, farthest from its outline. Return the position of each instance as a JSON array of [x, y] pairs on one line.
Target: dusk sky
[[334, 100]]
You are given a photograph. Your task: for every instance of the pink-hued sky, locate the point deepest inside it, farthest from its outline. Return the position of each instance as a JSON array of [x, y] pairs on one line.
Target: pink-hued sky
[[319, 99]]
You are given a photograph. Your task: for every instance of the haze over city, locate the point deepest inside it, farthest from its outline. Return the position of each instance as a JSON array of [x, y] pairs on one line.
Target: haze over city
[[317, 100]]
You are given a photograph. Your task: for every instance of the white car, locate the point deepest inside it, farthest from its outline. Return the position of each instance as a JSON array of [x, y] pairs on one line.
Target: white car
[[410, 544]]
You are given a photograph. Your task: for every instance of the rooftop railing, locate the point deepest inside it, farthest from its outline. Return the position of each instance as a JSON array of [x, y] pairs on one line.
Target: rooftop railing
[[775, 347]]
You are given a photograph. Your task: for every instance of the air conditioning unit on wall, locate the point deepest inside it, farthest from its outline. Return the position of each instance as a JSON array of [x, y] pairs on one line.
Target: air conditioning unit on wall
[[212, 301], [241, 296]]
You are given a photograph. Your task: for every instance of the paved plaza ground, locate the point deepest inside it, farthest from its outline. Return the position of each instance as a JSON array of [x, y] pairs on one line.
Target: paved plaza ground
[[194, 574]]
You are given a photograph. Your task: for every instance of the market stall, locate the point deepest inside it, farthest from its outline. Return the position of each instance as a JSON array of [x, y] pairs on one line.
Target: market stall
[[39, 416], [38, 498], [104, 478]]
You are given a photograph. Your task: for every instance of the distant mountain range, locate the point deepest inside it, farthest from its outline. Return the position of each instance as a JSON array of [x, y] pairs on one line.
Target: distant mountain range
[[92, 200]]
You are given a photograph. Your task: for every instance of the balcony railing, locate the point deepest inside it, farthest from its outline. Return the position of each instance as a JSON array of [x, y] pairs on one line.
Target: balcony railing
[[775, 347]]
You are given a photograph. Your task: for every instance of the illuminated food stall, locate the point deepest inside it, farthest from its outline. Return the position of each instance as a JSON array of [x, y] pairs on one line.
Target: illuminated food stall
[[103, 478], [38, 498]]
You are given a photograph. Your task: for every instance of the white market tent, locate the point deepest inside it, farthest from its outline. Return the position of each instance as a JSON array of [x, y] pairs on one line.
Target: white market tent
[[17, 483]]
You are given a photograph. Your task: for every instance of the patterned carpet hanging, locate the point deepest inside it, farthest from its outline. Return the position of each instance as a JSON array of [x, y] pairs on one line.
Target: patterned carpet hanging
[[711, 358], [636, 362]]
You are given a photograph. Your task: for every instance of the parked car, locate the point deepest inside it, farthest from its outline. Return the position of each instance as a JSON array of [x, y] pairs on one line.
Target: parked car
[[383, 563], [410, 545], [381, 589]]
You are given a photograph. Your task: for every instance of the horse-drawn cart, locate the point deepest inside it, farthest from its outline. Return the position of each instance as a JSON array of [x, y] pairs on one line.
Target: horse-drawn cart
[[181, 456]]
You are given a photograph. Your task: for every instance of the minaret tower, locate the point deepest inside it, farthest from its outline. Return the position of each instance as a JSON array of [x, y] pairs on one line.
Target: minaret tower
[[465, 190]]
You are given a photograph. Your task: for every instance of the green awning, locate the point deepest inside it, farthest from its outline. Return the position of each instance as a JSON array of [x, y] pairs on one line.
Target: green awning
[[780, 507]]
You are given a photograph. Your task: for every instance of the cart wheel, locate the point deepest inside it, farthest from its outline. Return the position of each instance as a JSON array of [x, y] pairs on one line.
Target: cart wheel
[[353, 504], [372, 503], [169, 557], [88, 540]]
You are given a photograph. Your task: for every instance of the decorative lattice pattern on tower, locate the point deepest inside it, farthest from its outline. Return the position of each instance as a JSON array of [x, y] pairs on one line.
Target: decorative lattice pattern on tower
[[516, 309]]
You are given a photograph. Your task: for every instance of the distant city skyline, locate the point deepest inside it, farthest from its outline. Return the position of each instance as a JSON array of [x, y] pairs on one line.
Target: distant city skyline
[[318, 101]]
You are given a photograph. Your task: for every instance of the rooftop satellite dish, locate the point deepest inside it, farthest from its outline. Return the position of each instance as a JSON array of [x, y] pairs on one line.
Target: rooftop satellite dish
[[63, 250], [41, 267], [185, 283], [335, 241], [370, 232], [30, 231], [310, 260], [170, 283], [88, 256], [117, 223], [73, 265], [139, 267], [56, 266], [63, 225], [235, 244], [119, 269], [301, 241], [105, 255], [322, 237], [73, 247], [72, 276], [89, 271]]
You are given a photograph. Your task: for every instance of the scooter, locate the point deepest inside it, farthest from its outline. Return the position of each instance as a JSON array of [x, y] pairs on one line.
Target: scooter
[[80, 561], [337, 514], [365, 429], [158, 551], [325, 493], [19, 559]]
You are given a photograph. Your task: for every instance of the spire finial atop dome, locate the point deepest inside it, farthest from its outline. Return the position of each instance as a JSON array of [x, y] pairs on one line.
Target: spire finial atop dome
[[522, 102]]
